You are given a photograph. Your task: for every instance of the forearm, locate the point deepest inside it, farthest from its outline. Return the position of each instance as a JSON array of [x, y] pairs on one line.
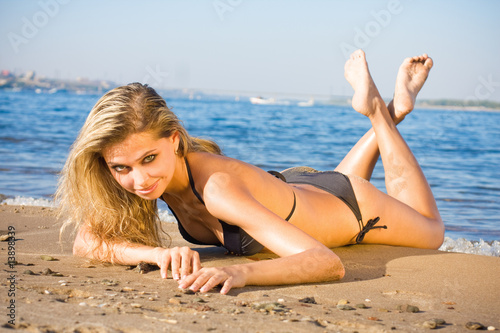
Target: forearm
[[314, 265], [123, 253]]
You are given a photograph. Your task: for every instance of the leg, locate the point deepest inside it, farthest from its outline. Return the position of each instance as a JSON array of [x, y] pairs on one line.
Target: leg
[[405, 181], [361, 159]]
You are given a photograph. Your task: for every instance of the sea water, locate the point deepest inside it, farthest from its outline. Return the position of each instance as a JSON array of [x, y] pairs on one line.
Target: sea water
[[459, 151]]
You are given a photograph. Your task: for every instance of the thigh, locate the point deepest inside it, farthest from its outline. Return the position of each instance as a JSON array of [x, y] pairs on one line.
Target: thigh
[[405, 225]]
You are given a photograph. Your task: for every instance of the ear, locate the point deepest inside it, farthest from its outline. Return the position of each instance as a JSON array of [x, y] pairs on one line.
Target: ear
[[175, 140]]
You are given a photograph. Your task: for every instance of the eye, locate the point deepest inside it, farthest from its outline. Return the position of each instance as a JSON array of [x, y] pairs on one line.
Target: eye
[[149, 159], [119, 168]]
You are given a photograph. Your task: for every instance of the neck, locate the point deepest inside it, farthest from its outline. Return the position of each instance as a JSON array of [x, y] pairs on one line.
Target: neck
[[179, 184]]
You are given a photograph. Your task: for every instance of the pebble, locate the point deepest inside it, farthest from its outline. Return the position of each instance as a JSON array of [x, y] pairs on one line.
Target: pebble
[[174, 301], [268, 306], [408, 308], [136, 305], [491, 328], [47, 258], [345, 307], [471, 325], [186, 291], [144, 267], [47, 271], [4, 238], [199, 300], [361, 306], [28, 272], [439, 321], [109, 283], [342, 302], [308, 300], [242, 303], [430, 324]]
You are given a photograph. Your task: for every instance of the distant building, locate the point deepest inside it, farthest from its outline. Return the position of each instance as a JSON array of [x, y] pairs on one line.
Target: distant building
[[5, 73]]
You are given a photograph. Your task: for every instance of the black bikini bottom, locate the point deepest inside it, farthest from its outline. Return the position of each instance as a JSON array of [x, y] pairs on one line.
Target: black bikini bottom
[[335, 183]]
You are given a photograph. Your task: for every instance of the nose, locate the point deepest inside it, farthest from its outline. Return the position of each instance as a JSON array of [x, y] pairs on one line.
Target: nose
[[140, 177]]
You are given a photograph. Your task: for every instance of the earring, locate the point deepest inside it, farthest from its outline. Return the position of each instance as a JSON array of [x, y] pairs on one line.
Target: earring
[[176, 152]]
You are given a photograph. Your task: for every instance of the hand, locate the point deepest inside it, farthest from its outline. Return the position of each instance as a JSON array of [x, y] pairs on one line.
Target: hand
[[207, 278], [183, 261]]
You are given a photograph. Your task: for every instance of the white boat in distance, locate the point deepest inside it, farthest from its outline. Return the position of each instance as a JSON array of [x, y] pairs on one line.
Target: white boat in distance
[[262, 101], [308, 103]]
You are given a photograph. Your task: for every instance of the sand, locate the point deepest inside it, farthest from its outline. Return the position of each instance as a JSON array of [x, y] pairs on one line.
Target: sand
[[86, 296]]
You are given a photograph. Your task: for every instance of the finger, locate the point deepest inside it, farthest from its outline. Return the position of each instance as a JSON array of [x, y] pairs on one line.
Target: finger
[[228, 284], [196, 262], [187, 281], [164, 262], [187, 255], [200, 281], [175, 263], [214, 281]]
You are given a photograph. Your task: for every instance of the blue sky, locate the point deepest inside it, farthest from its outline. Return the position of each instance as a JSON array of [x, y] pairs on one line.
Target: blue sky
[[260, 46]]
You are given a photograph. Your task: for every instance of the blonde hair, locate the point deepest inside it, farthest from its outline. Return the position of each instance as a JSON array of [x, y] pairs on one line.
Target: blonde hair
[[88, 195]]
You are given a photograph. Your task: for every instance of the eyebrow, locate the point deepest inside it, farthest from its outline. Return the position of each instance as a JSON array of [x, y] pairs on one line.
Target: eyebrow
[[147, 153]]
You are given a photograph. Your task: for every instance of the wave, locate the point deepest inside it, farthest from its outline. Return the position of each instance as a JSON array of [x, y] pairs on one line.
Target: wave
[[463, 245], [460, 245], [23, 201]]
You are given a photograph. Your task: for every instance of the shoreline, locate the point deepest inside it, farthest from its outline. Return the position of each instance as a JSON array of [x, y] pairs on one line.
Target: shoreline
[[454, 245], [70, 293]]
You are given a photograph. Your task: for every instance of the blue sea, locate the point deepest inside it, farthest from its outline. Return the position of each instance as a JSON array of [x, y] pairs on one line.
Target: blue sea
[[459, 151]]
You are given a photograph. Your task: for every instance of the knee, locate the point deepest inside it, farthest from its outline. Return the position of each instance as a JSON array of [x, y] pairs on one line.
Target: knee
[[436, 236]]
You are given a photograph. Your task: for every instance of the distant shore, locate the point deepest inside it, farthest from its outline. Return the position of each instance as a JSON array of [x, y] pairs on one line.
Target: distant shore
[[30, 81]]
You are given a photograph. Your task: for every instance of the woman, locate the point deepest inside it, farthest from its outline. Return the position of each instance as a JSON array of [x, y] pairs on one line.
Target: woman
[[132, 150]]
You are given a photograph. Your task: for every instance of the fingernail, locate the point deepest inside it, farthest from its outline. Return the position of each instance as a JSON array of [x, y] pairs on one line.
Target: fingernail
[[176, 277], [184, 276]]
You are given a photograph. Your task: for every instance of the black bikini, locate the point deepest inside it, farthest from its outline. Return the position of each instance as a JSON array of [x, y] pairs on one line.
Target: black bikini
[[238, 242]]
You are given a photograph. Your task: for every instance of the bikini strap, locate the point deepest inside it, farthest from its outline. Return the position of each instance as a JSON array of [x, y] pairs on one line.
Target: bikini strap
[[370, 225], [191, 182], [293, 207], [280, 176]]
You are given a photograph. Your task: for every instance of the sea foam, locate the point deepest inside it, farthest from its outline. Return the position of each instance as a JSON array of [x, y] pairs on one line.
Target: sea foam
[[461, 245], [24, 201], [473, 247]]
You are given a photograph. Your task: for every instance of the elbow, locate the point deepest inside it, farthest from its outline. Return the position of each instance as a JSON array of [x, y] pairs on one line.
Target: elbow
[[81, 246], [335, 270], [338, 269], [78, 248]]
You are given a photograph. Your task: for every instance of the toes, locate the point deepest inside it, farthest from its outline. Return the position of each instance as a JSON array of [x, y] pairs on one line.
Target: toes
[[357, 54], [428, 63]]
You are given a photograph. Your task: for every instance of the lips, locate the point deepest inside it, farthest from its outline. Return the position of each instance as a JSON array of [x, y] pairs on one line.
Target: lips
[[148, 190]]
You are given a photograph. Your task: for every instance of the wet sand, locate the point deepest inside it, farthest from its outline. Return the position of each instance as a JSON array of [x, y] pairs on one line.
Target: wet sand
[[78, 295]]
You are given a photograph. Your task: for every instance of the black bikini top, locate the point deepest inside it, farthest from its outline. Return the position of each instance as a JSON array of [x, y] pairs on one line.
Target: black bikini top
[[236, 240]]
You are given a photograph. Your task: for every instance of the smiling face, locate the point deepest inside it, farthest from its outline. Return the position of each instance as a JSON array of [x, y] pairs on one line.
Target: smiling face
[[143, 164]]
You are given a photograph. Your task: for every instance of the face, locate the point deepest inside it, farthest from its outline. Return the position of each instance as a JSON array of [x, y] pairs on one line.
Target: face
[[143, 164]]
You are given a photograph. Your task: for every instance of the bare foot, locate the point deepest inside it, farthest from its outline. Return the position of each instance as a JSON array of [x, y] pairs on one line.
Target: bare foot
[[366, 96], [411, 77]]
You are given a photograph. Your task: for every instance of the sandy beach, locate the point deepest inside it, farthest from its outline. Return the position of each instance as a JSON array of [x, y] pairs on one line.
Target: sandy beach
[[384, 285]]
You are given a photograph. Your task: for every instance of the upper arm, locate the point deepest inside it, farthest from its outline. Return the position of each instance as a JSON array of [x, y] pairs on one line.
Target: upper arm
[[229, 199], [82, 242]]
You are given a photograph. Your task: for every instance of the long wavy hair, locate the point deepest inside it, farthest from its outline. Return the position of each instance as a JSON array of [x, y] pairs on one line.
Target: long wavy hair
[[88, 195]]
